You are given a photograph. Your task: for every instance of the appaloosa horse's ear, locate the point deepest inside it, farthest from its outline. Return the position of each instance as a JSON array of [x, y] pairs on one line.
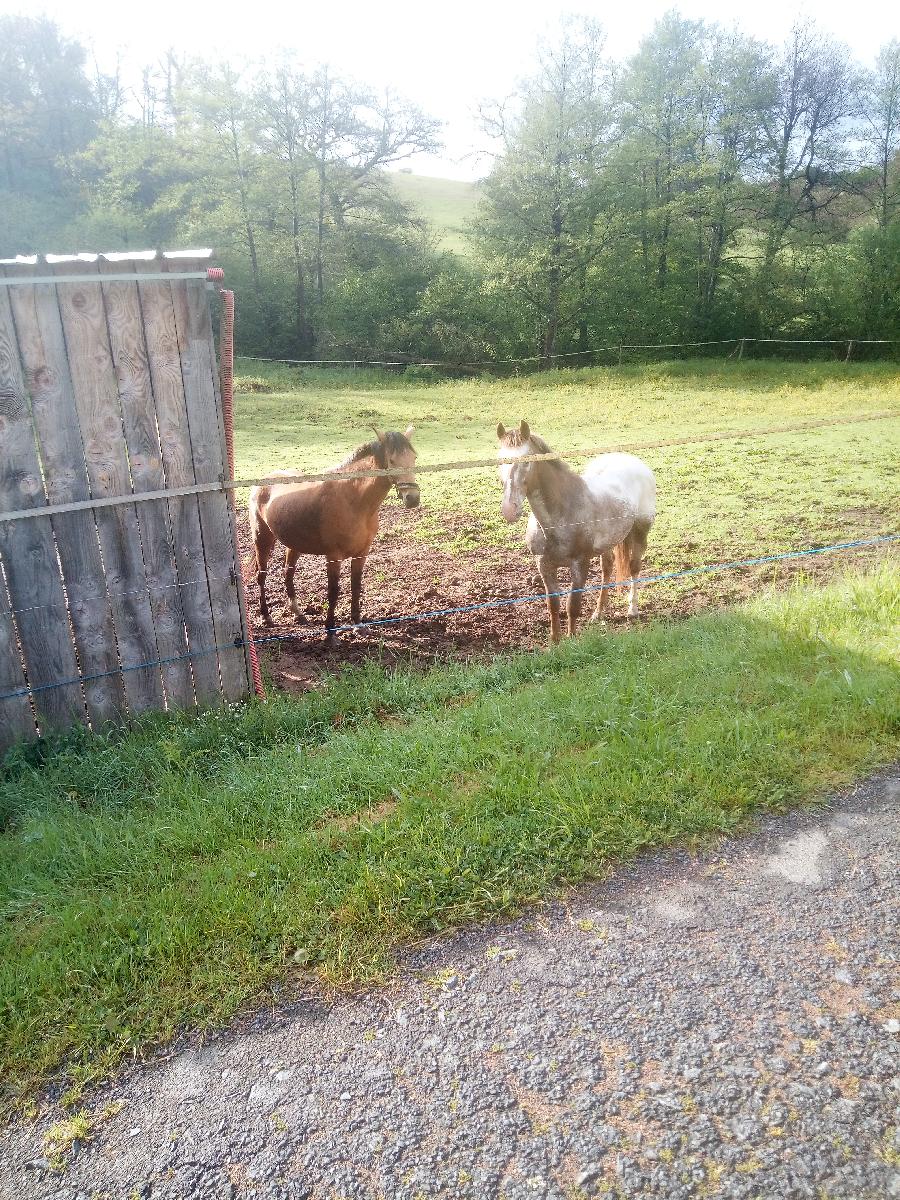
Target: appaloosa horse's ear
[[378, 434], [524, 431], [501, 432], [409, 431]]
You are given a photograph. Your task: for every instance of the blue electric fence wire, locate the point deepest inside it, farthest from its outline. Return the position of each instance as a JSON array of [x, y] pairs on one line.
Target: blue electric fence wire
[[238, 643]]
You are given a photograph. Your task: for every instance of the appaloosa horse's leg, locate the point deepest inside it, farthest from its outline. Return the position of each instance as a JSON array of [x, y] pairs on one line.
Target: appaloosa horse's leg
[[334, 590], [548, 572], [356, 574], [290, 565], [581, 569], [637, 547], [608, 560]]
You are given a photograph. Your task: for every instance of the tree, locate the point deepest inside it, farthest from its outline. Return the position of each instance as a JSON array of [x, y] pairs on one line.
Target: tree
[[47, 108], [879, 112], [540, 223], [809, 96]]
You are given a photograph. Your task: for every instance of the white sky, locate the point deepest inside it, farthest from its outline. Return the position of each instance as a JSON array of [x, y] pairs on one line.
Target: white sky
[[443, 56]]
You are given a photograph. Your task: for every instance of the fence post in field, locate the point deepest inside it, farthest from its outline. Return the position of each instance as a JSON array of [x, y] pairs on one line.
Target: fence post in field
[[849, 351]]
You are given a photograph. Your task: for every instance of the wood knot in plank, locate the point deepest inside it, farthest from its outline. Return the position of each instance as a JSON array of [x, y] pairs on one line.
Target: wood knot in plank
[[12, 403]]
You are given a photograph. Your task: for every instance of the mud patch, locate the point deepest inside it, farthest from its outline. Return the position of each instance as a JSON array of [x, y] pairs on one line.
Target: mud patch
[[409, 586]]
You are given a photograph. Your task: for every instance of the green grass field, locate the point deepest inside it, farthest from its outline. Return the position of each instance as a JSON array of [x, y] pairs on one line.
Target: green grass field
[[447, 204], [717, 501], [160, 878]]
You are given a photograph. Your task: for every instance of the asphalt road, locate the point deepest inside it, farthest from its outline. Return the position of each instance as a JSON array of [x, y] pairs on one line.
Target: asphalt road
[[720, 1025]]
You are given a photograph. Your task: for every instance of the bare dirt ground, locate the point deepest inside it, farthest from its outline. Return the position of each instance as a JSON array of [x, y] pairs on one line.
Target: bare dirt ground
[[406, 576]]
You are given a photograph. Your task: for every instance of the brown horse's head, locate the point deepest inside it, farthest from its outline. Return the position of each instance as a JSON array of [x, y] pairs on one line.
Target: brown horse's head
[[395, 453]]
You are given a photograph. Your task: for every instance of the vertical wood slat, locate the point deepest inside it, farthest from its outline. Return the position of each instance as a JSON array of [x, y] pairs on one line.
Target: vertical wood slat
[[174, 436], [206, 324], [198, 371], [97, 403], [28, 550], [43, 351], [16, 717], [130, 363]]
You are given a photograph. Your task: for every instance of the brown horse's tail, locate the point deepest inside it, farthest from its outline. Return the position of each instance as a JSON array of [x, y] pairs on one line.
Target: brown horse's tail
[[623, 560]]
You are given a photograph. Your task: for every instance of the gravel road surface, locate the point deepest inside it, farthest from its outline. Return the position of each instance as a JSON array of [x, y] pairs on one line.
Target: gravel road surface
[[720, 1025]]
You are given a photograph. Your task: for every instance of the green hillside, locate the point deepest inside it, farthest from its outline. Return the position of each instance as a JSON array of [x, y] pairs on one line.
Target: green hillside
[[448, 204]]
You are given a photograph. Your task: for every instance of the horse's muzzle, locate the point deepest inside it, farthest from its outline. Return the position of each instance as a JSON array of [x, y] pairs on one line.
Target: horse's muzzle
[[510, 510], [410, 497]]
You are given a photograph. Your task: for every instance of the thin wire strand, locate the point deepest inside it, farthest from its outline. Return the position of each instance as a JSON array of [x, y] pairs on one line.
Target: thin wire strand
[[238, 643], [399, 361], [481, 464], [336, 474]]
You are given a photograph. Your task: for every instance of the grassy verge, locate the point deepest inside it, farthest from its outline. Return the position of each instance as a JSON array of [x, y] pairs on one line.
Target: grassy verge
[[164, 876]]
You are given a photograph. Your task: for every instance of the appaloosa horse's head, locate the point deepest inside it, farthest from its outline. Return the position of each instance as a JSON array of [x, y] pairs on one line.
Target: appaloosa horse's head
[[516, 444], [394, 452]]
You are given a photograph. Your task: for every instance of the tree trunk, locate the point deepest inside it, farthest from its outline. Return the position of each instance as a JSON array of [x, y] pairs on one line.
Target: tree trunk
[[304, 341]]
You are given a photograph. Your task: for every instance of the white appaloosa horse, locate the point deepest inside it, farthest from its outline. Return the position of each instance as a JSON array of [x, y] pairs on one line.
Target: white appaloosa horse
[[607, 510]]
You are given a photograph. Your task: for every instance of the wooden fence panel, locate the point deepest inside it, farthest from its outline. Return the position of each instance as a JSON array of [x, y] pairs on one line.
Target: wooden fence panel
[[109, 387], [129, 354], [168, 388], [43, 352], [28, 551], [16, 717], [97, 402], [223, 569]]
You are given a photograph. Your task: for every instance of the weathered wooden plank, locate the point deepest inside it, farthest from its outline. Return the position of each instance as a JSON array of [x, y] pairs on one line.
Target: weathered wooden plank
[[28, 550], [100, 418], [43, 352], [206, 321], [199, 375], [124, 321], [16, 718], [175, 443]]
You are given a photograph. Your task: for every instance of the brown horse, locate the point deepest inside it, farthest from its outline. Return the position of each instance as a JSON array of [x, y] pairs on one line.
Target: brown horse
[[336, 517]]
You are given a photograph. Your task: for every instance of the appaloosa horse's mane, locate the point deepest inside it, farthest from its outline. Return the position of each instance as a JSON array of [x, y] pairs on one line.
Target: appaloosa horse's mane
[[557, 479]]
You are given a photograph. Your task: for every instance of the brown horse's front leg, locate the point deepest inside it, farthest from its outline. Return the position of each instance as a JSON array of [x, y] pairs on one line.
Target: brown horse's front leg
[[548, 573], [356, 574], [263, 605], [334, 590]]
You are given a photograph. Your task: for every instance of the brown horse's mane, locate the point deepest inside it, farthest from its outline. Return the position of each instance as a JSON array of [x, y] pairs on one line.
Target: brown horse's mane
[[393, 443]]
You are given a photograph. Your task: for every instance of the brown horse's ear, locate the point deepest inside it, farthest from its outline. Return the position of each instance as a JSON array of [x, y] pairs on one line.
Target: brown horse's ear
[[524, 431], [409, 431], [378, 434], [501, 431]]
